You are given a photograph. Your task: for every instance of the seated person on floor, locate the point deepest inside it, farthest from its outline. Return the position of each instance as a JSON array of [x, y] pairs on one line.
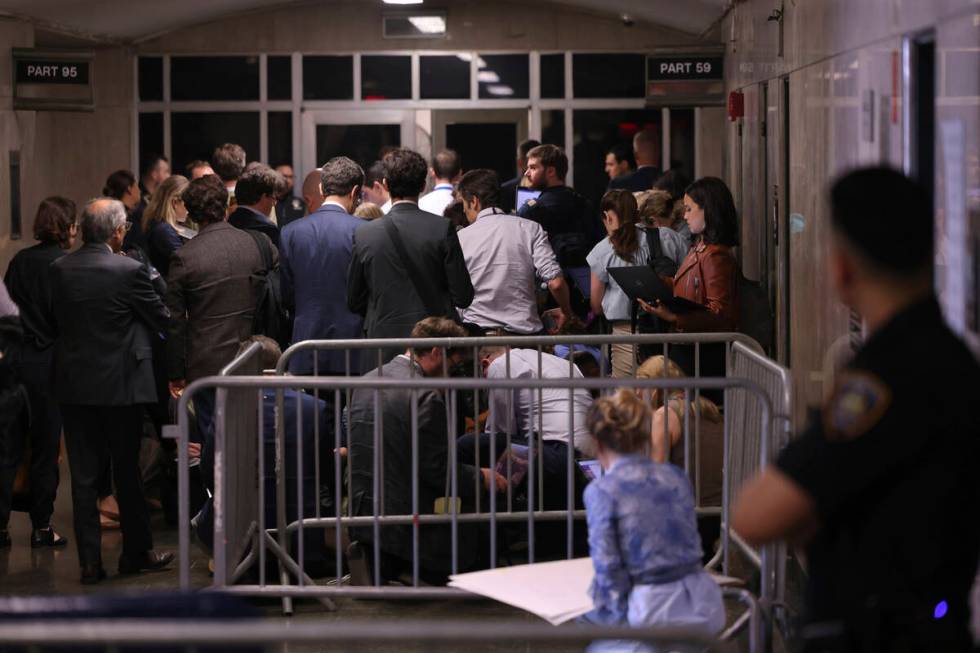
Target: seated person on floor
[[642, 536], [434, 474], [316, 558]]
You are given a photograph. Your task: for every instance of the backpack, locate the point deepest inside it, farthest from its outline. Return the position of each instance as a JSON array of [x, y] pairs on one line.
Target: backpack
[[754, 312], [271, 318]]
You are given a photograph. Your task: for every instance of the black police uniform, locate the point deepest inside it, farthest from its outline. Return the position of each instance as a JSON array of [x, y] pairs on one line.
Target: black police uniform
[[563, 214], [288, 209], [891, 464]]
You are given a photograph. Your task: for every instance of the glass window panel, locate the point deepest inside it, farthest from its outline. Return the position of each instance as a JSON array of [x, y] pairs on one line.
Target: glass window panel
[[503, 76], [609, 75], [553, 127], [214, 78], [445, 77], [597, 131], [150, 136], [386, 77], [682, 142], [280, 138], [485, 145], [363, 143], [194, 135], [151, 79], [279, 78], [328, 78], [553, 76]]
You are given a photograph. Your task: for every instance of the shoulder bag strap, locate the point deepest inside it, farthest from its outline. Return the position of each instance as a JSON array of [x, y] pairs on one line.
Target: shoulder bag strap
[[432, 305], [263, 249]]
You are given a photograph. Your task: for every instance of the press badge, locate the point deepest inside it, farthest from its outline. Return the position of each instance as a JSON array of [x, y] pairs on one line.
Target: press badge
[[444, 505]]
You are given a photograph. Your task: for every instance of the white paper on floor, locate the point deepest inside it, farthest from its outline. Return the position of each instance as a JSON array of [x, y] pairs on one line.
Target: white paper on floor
[[555, 591]]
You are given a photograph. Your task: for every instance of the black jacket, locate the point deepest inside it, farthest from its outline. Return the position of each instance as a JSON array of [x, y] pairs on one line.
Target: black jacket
[[29, 284], [638, 180], [245, 218], [433, 457], [105, 313], [379, 286]]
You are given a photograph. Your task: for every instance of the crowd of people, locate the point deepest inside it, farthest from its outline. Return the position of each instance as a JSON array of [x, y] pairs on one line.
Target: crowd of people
[[176, 274]]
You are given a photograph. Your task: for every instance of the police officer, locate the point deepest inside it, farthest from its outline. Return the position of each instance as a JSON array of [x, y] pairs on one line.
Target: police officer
[[883, 488], [562, 212], [289, 207]]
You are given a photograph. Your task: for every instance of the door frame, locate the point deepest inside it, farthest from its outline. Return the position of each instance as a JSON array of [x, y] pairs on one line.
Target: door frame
[[311, 119]]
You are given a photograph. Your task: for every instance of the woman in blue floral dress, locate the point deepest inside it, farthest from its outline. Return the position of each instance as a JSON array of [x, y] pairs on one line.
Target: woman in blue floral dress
[[643, 535]]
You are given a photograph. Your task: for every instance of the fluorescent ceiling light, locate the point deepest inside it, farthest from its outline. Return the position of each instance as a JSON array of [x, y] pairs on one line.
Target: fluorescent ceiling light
[[487, 77], [428, 24], [465, 56], [500, 89], [402, 2]]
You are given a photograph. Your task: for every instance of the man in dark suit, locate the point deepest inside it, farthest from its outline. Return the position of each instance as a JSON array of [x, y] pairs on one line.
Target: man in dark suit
[[211, 297], [435, 554], [395, 287], [289, 207], [257, 192], [646, 150], [315, 259], [508, 189], [105, 315]]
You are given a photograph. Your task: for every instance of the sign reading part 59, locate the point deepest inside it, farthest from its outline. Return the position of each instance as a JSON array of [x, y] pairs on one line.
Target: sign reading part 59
[[660, 68]]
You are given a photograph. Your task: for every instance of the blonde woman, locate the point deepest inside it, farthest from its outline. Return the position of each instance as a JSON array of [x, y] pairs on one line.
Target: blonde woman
[[162, 222], [643, 538], [368, 211]]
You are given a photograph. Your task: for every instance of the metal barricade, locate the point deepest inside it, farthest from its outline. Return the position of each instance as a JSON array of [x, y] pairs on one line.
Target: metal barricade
[[227, 552]]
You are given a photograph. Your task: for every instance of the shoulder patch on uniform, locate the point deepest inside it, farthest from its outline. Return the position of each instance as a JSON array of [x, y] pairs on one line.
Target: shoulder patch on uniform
[[858, 402]]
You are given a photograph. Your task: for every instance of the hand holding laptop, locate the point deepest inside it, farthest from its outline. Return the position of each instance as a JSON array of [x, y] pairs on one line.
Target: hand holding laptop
[[657, 309]]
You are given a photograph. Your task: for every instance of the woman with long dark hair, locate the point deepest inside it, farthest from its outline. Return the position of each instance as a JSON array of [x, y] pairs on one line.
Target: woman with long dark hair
[[29, 284], [122, 185], [708, 275]]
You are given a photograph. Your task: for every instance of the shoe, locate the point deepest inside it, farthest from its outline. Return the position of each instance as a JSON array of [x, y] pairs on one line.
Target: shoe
[[146, 561], [92, 574], [4, 539], [46, 537]]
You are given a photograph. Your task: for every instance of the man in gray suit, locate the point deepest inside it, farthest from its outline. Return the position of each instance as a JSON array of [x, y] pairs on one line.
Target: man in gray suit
[[407, 265], [211, 296], [435, 554], [105, 314]]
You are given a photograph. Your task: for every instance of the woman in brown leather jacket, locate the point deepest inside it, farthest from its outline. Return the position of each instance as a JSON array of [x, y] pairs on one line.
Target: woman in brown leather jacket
[[708, 275]]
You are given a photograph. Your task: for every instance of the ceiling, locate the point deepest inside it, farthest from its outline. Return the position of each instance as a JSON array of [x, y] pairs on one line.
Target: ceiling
[[135, 20]]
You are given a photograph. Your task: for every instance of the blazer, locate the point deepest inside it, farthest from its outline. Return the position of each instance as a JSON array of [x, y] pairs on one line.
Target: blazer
[[105, 313], [315, 256], [396, 454], [708, 276], [245, 218], [378, 284], [211, 295], [29, 282], [638, 180]]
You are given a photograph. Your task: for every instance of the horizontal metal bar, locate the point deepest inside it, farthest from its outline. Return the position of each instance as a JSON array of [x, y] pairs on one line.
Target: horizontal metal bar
[[517, 342], [238, 632]]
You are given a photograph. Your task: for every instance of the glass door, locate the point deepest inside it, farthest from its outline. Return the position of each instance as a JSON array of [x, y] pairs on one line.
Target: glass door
[[360, 135]]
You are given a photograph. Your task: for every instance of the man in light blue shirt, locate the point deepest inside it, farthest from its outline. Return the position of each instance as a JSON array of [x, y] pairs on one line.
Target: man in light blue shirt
[[445, 171]]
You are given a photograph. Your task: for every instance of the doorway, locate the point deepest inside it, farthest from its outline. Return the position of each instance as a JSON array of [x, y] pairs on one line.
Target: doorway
[[360, 135], [484, 138]]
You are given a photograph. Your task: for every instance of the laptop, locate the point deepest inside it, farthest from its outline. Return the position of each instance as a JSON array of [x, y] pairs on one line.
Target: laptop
[[525, 195], [641, 282]]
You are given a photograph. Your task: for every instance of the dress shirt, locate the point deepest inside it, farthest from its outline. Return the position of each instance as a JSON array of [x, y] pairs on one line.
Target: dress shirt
[[437, 201], [553, 408], [504, 255], [333, 203], [386, 207]]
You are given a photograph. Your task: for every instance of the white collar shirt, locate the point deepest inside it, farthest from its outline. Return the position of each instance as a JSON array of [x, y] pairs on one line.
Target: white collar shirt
[[518, 411], [506, 255], [437, 201], [333, 203]]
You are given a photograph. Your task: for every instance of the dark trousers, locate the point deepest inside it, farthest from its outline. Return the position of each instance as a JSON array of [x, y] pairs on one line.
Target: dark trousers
[[44, 431], [92, 435]]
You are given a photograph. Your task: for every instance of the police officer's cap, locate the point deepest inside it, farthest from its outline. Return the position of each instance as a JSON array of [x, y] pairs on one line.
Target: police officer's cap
[[886, 216]]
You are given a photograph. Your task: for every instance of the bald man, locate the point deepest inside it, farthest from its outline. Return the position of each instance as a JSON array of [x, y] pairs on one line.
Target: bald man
[[312, 192], [646, 150]]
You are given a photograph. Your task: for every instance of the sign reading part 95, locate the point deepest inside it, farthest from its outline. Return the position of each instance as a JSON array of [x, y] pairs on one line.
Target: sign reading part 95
[[53, 80], [52, 72], [684, 67]]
